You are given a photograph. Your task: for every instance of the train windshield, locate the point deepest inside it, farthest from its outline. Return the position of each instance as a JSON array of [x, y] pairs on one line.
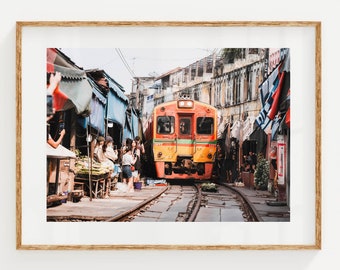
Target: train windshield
[[205, 125], [165, 124], [185, 126]]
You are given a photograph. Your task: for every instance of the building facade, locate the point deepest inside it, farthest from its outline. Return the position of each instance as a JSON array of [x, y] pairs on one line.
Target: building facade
[[232, 80]]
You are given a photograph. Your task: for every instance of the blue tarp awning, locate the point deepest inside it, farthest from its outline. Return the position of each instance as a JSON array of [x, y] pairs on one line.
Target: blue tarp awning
[[116, 108], [117, 101], [98, 106], [117, 89], [108, 102], [131, 125], [134, 123]]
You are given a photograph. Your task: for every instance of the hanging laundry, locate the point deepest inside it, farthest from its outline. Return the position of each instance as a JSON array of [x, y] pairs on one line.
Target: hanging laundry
[[262, 120], [267, 84], [288, 118], [275, 126], [276, 98]]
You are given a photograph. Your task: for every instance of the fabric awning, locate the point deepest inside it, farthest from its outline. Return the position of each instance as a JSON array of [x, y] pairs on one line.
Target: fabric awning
[[117, 101], [60, 152], [74, 90], [79, 94], [114, 86], [98, 108], [134, 123], [131, 125], [116, 108]]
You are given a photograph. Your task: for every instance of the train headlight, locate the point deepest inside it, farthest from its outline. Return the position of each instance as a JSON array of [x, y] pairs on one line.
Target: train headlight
[[159, 154], [185, 104], [210, 156]]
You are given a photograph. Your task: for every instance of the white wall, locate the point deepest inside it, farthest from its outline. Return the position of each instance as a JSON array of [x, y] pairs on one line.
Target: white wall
[[261, 10]]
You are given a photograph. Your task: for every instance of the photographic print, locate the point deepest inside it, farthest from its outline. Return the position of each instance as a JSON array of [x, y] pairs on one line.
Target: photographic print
[[162, 138], [222, 143]]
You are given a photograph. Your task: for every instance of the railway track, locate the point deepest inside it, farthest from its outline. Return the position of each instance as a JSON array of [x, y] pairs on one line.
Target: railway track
[[174, 205], [192, 204], [179, 203]]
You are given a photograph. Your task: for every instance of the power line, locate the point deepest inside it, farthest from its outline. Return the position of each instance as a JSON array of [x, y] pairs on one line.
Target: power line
[[121, 56]]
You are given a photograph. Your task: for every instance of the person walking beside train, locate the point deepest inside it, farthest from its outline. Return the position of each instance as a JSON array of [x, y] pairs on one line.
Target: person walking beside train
[[140, 145], [273, 162], [142, 157], [127, 143], [136, 152], [128, 160]]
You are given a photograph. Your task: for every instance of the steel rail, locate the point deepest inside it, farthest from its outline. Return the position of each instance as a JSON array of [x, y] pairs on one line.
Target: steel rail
[[125, 214], [197, 206], [254, 214]]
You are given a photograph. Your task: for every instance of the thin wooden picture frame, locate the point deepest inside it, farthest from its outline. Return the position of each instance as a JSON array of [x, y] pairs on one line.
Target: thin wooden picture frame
[[27, 237]]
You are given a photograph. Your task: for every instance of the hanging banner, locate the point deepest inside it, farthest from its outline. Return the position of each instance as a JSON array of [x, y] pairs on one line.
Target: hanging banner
[[281, 162]]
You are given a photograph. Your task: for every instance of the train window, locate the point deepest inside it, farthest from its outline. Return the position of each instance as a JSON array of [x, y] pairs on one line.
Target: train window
[[165, 124], [205, 125], [184, 126]]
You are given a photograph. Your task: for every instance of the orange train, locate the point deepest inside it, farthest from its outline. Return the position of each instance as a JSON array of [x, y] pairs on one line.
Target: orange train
[[180, 140]]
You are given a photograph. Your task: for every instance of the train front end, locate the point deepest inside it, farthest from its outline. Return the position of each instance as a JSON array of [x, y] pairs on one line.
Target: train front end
[[184, 140]]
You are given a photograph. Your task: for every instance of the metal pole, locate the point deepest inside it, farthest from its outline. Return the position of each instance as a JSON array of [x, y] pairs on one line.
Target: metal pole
[[57, 177], [89, 159]]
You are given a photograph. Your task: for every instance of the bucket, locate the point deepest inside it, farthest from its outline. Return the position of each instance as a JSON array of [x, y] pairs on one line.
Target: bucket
[[137, 185]]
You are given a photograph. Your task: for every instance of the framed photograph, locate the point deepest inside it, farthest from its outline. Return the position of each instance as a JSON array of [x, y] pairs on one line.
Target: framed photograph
[[218, 118]]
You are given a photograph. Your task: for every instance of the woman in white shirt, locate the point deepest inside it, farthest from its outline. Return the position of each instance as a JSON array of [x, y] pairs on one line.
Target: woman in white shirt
[[128, 160]]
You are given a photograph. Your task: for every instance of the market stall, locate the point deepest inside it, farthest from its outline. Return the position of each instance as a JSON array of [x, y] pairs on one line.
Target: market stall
[[94, 176], [59, 176]]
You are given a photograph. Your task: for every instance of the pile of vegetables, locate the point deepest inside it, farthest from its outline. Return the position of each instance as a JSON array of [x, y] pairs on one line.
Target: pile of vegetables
[[210, 187], [83, 167]]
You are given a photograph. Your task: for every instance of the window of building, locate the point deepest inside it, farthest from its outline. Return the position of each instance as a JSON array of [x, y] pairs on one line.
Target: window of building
[[228, 91], [253, 50], [238, 90], [218, 96], [250, 85], [193, 72], [200, 68], [185, 75], [209, 64], [197, 91]]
